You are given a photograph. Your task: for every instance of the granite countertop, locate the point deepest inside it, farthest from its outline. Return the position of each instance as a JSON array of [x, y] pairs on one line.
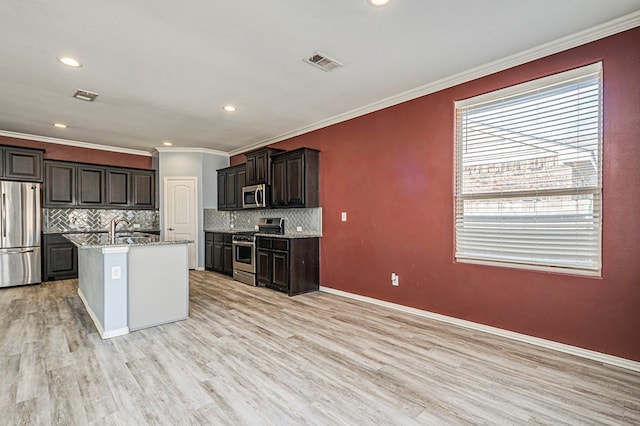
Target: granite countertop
[[94, 231], [288, 236], [123, 239], [258, 234]]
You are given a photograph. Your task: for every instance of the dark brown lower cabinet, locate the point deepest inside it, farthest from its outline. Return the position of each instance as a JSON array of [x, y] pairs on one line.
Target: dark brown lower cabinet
[[218, 252], [60, 258], [208, 251], [290, 265]]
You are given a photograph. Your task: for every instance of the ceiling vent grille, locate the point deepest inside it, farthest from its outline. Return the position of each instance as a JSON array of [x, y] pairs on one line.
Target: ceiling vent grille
[[85, 95], [322, 61]]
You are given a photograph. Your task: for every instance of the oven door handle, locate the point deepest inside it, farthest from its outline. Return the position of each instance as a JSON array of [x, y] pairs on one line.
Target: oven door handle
[[243, 243]]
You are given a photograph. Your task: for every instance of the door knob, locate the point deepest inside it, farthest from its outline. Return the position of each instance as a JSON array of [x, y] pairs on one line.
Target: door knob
[[171, 229]]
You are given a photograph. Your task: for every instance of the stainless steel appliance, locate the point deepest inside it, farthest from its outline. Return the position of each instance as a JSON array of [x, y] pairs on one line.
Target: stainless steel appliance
[[244, 257], [255, 196], [244, 249], [19, 233]]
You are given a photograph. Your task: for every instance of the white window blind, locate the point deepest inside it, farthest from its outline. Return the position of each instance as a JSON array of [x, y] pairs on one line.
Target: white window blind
[[528, 174]]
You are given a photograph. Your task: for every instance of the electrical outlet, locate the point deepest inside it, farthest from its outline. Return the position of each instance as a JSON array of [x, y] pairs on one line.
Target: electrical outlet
[[136, 226], [344, 216], [299, 228], [395, 279], [116, 272]]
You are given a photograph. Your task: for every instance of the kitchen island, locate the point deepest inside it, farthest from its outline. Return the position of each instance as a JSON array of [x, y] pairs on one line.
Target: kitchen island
[[133, 281]]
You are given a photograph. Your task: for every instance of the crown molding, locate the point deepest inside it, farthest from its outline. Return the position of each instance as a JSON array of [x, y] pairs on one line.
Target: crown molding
[[78, 144], [191, 150], [598, 32]]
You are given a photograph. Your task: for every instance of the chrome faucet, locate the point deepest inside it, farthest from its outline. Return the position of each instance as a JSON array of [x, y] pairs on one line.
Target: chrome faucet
[[112, 227]]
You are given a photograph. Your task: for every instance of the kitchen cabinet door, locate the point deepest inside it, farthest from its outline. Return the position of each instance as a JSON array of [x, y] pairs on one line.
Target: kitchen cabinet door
[[222, 190], [227, 259], [295, 179], [23, 164], [60, 258], [230, 183], [143, 190], [278, 188], [295, 188], [280, 268], [259, 165], [59, 184], [251, 170], [208, 251], [117, 188], [231, 189], [241, 180], [263, 267], [90, 186], [218, 256]]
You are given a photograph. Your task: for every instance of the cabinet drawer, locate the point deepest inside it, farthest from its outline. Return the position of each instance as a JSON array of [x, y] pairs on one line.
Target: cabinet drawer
[[280, 244], [208, 236], [264, 243], [217, 237], [227, 238], [56, 239]]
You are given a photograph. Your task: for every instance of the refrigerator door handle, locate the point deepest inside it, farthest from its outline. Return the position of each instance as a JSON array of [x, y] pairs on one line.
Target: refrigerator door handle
[[4, 214], [16, 251]]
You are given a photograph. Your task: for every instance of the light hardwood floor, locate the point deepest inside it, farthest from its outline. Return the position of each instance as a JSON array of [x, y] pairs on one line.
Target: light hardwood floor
[[254, 356]]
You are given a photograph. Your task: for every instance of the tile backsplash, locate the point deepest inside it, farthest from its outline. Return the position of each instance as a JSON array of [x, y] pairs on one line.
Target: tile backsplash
[[310, 220], [64, 220]]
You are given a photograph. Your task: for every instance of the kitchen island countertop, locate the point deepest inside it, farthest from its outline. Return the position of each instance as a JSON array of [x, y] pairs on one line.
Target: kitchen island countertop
[[95, 240]]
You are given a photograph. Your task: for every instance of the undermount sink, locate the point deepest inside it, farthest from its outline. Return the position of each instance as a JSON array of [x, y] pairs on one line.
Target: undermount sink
[[132, 234], [129, 237]]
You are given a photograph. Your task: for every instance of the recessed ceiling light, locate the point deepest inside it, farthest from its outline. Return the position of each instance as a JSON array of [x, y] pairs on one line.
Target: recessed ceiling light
[[229, 108], [68, 61], [167, 143], [378, 3], [60, 125]]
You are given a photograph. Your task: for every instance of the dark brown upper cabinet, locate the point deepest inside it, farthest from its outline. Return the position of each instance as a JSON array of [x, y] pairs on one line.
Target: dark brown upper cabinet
[[296, 179], [143, 191], [59, 184], [259, 165], [118, 186], [88, 185], [230, 183], [21, 163]]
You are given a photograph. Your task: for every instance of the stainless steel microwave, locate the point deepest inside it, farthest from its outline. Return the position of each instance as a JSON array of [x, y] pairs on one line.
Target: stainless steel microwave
[[255, 196]]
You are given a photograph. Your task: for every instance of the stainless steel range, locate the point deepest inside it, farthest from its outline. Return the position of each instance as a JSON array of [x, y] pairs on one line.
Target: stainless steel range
[[244, 249]]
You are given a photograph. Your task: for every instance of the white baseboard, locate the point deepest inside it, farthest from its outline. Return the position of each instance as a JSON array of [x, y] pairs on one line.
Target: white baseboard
[[94, 318], [549, 344]]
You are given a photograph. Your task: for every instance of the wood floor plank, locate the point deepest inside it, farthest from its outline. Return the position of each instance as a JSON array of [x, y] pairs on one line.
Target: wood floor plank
[[250, 355]]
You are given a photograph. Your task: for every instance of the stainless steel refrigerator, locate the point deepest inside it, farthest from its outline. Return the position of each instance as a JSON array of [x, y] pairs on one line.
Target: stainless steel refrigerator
[[19, 233]]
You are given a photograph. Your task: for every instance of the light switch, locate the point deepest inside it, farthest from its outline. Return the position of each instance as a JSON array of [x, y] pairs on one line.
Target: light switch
[[344, 216]]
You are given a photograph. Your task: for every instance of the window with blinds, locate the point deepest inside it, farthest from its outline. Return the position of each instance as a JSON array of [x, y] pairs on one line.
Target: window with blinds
[[528, 175]]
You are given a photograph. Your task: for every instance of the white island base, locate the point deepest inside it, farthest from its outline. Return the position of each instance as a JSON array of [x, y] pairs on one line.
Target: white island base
[[126, 288]]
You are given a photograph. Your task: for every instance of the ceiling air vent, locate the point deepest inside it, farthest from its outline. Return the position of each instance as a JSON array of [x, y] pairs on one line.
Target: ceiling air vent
[[85, 95], [322, 61]]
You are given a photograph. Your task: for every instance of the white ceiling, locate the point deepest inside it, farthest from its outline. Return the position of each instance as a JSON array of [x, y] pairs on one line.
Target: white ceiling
[[164, 69]]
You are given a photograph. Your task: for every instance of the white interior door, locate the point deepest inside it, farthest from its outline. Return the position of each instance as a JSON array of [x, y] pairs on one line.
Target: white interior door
[[180, 208]]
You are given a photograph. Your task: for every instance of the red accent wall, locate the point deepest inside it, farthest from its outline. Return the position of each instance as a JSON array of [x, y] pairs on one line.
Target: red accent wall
[[55, 151], [392, 172]]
